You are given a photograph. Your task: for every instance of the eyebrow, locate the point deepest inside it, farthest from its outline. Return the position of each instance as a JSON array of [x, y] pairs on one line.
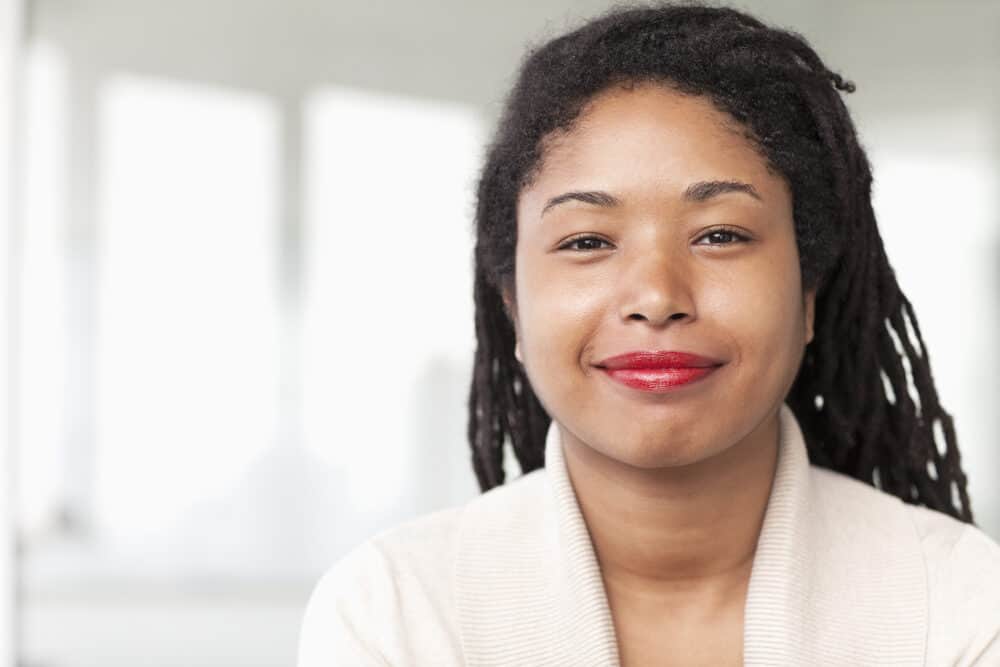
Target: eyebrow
[[696, 192]]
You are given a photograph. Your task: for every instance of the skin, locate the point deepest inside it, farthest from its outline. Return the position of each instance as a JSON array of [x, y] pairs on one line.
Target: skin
[[673, 487]]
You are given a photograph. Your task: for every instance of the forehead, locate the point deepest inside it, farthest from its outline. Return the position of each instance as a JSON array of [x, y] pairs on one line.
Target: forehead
[[655, 134]]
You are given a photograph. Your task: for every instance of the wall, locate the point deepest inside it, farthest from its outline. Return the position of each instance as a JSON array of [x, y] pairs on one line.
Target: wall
[[927, 99]]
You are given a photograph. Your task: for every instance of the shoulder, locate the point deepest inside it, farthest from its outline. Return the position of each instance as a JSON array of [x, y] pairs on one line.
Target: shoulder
[[843, 491], [963, 579], [385, 601], [961, 564], [390, 600]]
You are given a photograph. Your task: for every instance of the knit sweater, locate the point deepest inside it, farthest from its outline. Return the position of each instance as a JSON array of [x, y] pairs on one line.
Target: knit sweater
[[843, 574]]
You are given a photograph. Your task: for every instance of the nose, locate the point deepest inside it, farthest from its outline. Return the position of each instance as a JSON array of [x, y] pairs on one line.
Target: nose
[[657, 289]]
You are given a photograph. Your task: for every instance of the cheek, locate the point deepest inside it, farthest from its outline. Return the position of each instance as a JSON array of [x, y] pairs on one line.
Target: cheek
[[558, 319], [765, 315], [559, 314]]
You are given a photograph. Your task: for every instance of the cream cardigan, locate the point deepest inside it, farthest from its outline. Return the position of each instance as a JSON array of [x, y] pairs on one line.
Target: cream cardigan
[[844, 574]]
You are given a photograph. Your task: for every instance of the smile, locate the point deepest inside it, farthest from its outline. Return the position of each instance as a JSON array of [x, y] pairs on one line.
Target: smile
[[659, 380]]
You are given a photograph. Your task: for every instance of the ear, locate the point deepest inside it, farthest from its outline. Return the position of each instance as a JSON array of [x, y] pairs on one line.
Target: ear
[[511, 306], [810, 313]]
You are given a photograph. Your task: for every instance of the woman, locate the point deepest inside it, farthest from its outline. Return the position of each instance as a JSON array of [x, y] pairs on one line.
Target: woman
[[691, 339]]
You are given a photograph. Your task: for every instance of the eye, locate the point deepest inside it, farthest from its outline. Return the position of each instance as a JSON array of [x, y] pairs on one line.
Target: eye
[[588, 241], [725, 236]]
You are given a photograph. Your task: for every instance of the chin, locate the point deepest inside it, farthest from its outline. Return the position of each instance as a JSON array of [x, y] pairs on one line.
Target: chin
[[661, 452]]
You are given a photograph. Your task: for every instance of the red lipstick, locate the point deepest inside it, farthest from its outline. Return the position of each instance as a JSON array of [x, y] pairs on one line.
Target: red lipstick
[[658, 371]]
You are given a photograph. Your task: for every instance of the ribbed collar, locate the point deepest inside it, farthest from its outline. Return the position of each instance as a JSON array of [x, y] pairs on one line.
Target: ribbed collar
[[837, 578]]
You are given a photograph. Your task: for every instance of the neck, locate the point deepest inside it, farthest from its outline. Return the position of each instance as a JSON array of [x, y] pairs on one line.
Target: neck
[[670, 531]]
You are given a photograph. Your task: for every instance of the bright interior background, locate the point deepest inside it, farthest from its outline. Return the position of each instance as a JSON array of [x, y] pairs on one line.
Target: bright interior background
[[245, 319]]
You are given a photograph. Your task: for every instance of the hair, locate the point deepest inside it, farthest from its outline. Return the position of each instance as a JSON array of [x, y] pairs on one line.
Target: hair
[[852, 394]]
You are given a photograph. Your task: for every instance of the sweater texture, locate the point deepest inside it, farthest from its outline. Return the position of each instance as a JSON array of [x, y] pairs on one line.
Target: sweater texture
[[843, 574]]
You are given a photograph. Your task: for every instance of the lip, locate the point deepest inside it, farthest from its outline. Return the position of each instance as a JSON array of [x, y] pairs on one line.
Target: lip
[[657, 360], [658, 371]]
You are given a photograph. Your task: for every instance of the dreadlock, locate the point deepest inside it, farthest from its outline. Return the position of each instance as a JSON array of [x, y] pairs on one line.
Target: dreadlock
[[852, 394]]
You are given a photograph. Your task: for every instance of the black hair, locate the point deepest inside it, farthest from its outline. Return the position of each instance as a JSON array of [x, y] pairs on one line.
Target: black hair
[[858, 414]]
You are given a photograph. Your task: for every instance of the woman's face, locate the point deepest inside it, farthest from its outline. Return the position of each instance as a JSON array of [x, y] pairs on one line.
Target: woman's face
[[667, 264]]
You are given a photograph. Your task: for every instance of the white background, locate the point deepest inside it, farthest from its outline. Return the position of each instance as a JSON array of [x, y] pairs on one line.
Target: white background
[[246, 316]]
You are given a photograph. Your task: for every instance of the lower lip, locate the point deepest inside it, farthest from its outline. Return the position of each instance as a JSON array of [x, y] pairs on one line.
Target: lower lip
[[658, 380]]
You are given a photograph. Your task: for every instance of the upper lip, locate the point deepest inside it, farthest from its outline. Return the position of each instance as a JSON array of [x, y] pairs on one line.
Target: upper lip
[[658, 359]]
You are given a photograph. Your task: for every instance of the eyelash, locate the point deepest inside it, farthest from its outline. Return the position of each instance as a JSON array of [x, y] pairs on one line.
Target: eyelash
[[741, 238]]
